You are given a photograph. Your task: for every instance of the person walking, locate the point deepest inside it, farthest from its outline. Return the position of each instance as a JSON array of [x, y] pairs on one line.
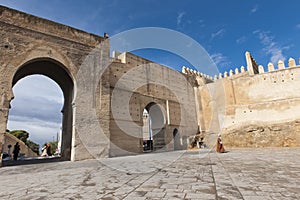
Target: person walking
[[220, 146], [44, 150], [49, 152], [16, 150]]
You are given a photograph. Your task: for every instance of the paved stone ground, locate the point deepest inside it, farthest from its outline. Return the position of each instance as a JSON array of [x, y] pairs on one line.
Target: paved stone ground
[[238, 174]]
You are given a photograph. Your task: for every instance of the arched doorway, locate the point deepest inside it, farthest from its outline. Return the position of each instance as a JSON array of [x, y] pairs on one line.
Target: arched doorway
[[58, 73], [36, 109], [153, 128]]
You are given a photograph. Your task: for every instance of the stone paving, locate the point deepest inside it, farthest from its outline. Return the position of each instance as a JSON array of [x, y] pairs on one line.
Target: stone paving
[[201, 174]]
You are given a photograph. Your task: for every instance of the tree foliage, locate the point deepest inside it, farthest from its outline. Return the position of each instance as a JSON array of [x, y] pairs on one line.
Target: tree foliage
[[23, 136], [20, 134], [33, 146], [53, 147]]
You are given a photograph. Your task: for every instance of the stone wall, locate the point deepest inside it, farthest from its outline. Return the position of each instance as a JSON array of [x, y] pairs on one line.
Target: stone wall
[[137, 82], [105, 97], [31, 45], [9, 139], [253, 108], [80, 64]]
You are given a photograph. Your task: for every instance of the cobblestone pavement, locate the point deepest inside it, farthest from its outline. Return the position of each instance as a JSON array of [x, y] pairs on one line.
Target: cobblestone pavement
[[237, 174]]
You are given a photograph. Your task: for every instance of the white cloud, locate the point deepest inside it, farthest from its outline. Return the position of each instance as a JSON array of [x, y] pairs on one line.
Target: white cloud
[[270, 46], [220, 60], [219, 33], [46, 88], [39, 131], [241, 40], [179, 19], [201, 23], [254, 9], [36, 108], [298, 26]]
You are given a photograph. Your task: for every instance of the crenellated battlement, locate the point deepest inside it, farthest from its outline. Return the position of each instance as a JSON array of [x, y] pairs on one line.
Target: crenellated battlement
[[195, 74], [236, 71], [253, 68], [280, 66]]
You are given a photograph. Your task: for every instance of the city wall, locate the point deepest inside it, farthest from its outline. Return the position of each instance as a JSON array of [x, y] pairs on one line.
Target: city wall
[[253, 107], [81, 65], [138, 83]]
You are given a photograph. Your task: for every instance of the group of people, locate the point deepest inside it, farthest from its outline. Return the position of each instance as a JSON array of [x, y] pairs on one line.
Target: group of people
[[46, 150]]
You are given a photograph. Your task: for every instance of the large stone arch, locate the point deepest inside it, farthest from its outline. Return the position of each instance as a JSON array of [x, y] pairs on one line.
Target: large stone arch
[[28, 41], [60, 74]]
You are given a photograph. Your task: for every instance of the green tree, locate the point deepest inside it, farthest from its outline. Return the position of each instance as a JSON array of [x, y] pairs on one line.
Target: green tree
[[33, 146], [20, 134], [23, 136], [53, 147]]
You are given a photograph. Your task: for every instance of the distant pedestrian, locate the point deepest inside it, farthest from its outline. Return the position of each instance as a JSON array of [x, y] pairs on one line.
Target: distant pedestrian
[[9, 146], [220, 146], [16, 150], [49, 149], [44, 150]]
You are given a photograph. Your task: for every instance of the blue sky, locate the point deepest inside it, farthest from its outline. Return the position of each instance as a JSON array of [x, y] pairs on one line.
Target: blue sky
[[226, 29]]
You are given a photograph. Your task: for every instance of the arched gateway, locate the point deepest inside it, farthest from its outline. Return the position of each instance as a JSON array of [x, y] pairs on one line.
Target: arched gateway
[[92, 123], [156, 125], [60, 74]]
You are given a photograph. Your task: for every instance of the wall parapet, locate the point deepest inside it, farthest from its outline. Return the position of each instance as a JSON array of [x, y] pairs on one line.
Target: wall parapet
[[280, 66], [196, 74], [232, 73], [251, 63], [45, 26], [253, 68]]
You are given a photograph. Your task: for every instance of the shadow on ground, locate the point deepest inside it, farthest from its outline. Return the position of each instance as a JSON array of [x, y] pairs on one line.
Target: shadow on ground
[[35, 160]]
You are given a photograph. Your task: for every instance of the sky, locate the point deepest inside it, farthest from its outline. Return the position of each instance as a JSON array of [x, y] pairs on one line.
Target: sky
[[225, 29], [36, 108]]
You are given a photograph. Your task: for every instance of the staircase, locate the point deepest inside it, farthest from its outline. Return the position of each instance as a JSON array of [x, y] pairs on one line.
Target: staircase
[[159, 141]]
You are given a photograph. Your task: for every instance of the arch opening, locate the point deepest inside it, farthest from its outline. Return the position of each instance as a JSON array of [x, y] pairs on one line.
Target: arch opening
[[59, 74], [153, 128]]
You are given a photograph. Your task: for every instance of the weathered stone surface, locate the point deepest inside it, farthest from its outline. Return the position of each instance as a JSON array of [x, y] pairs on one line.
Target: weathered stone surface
[[263, 135], [136, 84], [252, 109], [37, 46], [204, 174], [9, 139], [105, 97], [93, 123]]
